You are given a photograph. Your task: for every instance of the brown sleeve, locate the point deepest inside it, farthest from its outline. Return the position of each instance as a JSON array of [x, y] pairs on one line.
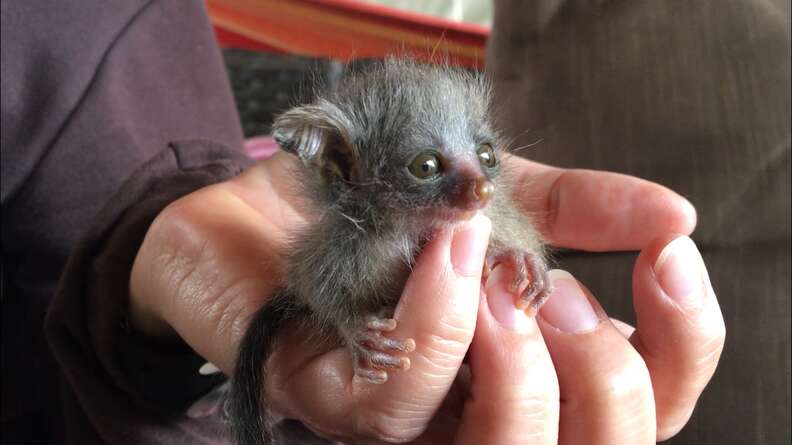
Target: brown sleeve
[[131, 390]]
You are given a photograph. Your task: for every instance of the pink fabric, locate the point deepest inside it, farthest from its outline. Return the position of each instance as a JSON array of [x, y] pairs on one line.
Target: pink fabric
[[260, 147]]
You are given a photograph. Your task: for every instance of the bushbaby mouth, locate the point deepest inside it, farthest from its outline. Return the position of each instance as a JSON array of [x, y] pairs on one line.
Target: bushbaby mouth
[[446, 216]]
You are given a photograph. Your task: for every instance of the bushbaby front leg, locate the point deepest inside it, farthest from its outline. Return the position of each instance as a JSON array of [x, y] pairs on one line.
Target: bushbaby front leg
[[530, 278]]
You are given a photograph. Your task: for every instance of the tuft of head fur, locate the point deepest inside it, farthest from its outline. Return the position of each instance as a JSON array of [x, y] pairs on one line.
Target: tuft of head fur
[[357, 139]]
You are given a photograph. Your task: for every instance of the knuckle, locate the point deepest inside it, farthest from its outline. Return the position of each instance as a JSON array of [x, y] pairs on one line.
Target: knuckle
[[528, 402], [166, 257], [707, 333], [629, 382], [710, 350], [441, 356], [717, 332], [513, 385], [538, 411], [178, 249], [185, 262], [176, 224]]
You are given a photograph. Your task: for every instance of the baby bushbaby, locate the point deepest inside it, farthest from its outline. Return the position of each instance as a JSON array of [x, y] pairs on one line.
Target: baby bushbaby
[[389, 156]]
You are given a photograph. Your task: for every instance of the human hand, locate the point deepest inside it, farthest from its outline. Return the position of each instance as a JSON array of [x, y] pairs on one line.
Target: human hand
[[573, 375], [616, 384], [211, 259]]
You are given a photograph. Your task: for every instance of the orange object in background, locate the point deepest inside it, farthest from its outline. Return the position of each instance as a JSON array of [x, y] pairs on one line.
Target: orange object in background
[[344, 29]]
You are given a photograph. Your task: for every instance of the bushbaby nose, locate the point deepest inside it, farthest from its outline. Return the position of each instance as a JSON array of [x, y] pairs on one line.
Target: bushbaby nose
[[481, 191]]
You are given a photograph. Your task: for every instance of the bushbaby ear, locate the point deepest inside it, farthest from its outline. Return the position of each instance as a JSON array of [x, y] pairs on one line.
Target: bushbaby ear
[[318, 135]]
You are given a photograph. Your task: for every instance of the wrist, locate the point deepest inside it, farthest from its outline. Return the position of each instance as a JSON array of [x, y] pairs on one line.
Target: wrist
[[146, 313]]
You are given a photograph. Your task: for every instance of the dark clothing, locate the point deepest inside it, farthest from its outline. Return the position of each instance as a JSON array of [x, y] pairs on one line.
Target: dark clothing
[[90, 92], [114, 373]]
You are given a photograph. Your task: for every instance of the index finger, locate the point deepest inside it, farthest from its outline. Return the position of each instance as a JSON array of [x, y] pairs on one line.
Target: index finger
[[596, 210]]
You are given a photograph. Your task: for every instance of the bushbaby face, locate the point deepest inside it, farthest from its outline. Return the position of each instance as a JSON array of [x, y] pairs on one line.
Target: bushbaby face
[[403, 135]]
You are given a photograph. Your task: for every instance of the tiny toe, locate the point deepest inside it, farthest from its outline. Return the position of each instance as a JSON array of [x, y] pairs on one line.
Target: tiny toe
[[543, 296], [388, 344], [383, 360], [536, 304], [516, 283], [381, 324], [486, 270], [520, 275], [522, 303], [534, 297], [375, 376], [530, 311], [528, 296]]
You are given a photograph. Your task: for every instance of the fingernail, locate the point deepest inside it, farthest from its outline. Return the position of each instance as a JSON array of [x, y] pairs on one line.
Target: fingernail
[[501, 302], [680, 271], [568, 309], [469, 245]]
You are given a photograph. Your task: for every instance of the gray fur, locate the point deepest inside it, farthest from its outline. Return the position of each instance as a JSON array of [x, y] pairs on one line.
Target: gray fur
[[356, 142]]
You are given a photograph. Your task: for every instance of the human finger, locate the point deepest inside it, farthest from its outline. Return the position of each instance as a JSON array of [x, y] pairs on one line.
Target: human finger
[[207, 263], [680, 331], [514, 390], [596, 210], [605, 387]]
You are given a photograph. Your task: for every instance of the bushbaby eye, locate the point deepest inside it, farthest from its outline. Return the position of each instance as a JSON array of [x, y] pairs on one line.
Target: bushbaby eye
[[425, 166], [486, 155]]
